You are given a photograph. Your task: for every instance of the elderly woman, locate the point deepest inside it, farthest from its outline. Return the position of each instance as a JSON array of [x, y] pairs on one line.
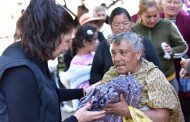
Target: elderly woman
[[159, 97], [120, 21]]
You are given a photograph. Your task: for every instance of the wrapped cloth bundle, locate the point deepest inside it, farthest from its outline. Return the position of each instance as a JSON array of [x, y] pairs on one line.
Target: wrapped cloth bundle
[[109, 92]]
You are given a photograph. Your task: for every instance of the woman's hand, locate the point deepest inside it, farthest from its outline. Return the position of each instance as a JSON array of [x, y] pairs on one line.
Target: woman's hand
[[183, 73], [84, 115], [119, 108], [184, 63], [168, 49]]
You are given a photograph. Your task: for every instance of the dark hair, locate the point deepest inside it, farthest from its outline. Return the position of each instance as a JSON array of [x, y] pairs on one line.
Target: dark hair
[[104, 5], [119, 11], [83, 7], [18, 31], [44, 22], [85, 32]]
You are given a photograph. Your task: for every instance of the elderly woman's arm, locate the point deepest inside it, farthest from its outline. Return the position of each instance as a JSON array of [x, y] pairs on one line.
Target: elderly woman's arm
[[156, 115]]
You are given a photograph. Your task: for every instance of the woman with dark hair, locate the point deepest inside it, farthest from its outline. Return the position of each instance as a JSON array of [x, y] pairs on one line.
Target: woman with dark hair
[[120, 21], [27, 91]]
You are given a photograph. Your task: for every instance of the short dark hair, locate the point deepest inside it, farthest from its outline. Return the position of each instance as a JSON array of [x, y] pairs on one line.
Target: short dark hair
[[43, 23], [118, 11], [83, 7]]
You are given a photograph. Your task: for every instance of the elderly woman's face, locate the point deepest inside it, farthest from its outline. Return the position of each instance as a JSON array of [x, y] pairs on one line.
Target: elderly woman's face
[[124, 57], [121, 23], [64, 45], [171, 8]]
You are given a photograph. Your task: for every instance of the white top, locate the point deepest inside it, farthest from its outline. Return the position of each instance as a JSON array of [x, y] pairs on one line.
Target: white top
[[106, 30]]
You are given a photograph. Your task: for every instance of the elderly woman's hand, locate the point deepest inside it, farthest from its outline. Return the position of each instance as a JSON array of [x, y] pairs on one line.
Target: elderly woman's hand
[[183, 73], [184, 63], [84, 115], [119, 108]]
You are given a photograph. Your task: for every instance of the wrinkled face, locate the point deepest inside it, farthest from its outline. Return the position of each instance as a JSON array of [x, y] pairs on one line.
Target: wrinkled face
[[64, 45], [124, 57], [171, 8], [121, 23], [92, 46], [150, 17], [101, 14]]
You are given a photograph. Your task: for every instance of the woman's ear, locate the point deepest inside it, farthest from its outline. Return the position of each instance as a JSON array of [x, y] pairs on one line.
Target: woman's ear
[[138, 55]]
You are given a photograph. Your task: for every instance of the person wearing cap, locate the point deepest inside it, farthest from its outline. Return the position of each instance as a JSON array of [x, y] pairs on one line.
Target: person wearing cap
[[100, 11]]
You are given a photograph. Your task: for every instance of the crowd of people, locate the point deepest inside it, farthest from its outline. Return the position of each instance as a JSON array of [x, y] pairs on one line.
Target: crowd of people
[[94, 48]]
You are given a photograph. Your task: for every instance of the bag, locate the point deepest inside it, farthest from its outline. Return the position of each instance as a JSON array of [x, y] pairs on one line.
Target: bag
[[137, 116], [184, 84]]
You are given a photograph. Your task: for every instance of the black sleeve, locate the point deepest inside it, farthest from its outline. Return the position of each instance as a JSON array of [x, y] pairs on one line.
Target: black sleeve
[[150, 53], [70, 94], [20, 89], [96, 72], [67, 58], [101, 37], [71, 119]]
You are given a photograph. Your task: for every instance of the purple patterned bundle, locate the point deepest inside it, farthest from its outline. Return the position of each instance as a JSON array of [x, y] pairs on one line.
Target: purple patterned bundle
[[109, 93]]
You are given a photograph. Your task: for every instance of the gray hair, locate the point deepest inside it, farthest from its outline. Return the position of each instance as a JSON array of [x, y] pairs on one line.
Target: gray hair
[[97, 9], [131, 37]]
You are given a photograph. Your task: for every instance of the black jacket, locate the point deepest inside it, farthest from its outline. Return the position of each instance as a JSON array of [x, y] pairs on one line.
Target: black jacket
[[27, 90], [102, 60]]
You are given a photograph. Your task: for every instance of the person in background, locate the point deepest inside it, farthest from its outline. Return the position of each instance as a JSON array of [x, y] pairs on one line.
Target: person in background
[[28, 93], [135, 18], [107, 17], [19, 22], [186, 6], [172, 11], [100, 11], [84, 45], [86, 18], [120, 21], [80, 11], [159, 100], [164, 35]]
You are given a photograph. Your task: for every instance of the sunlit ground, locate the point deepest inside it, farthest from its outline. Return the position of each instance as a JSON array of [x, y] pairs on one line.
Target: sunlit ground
[[10, 10]]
